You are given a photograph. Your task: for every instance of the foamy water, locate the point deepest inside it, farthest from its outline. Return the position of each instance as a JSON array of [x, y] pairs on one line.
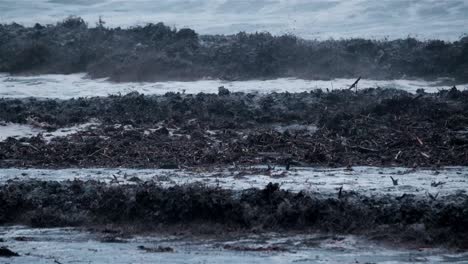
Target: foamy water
[[328, 181], [77, 85], [67, 245], [26, 130]]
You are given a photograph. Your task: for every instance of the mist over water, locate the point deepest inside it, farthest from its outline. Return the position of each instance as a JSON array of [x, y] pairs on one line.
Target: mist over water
[[321, 19], [154, 131]]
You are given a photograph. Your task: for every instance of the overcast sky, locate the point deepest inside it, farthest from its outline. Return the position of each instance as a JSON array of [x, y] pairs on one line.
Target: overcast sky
[[444, 19]]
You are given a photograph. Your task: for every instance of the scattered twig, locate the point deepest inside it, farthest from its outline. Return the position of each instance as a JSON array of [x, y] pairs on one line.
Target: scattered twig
[[420, 141], [394, 181], [398, 154], [437, 184], [425, 155], [433, 197]]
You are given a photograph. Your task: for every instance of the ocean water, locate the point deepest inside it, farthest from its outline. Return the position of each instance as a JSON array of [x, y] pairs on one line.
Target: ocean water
[[68, 245], [310, 19], [321, 19], [368, 181], [78, 85]]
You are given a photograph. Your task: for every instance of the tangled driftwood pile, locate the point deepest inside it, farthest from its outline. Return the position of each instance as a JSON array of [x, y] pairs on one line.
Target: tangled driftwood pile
[[339, 128]]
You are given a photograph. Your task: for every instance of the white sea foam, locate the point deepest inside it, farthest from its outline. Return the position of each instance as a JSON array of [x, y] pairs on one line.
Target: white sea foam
[[68, 245], [25, 130], [17, 131], [364, 180], [77, 85]]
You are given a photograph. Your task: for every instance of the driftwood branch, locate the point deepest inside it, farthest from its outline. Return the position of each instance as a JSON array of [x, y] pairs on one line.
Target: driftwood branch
[[354, 85]]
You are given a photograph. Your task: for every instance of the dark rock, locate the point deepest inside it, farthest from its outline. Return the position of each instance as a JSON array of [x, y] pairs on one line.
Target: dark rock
[[169, 166], [162, 131], [159, 249], [112, 239], [223, 91], [134, 179], [7, 253], [255, 249]]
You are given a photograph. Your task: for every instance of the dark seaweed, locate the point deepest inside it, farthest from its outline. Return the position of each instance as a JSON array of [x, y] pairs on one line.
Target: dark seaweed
[[380, 127], [78, 203], [158, 52]]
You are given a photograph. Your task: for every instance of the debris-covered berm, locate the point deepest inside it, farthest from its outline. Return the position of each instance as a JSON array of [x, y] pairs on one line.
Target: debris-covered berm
[[378, 127], [201, 210]]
